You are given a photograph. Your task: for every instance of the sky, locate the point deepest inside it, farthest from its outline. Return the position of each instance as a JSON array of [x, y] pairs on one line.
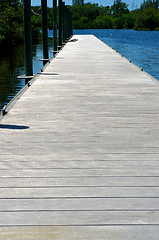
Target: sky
[[132, 3]]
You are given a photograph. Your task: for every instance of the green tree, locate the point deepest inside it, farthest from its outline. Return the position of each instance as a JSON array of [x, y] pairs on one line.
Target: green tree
[[105, 22], [129, 20], [147, 19], [149, 3], [11, 19], [119, 8], [117, 16], [77, 2]]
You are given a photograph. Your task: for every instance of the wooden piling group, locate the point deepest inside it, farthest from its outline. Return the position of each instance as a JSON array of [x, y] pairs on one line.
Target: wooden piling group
[[64, 30]]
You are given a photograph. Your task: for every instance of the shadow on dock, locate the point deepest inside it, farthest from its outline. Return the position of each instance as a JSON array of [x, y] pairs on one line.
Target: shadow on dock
[[13, 127]]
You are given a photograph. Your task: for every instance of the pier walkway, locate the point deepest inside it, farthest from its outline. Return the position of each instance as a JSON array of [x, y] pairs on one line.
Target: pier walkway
[[79, 151]]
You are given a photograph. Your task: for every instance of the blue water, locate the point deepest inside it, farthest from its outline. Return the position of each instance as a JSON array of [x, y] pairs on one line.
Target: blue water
[[12, 65], [141, 47]]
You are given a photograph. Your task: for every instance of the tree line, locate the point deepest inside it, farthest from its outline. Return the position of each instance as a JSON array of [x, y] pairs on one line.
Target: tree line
[[117, 16]]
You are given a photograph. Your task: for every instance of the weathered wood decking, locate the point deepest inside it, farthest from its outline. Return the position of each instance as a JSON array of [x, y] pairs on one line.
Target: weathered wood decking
[[79, 151]]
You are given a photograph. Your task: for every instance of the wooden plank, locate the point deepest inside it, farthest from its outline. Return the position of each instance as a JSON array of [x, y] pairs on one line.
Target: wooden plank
[[78, 232], [78, 218], [80, 172], [62, 156], [87, 164], [79, 182], [80, 204], [73, 192]]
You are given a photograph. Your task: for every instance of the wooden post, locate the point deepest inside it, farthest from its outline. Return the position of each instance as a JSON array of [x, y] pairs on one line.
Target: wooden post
[[60, 22], [71, 16], [55, 25], [28, 38], [64, 21], [44, 30], [67, 22]]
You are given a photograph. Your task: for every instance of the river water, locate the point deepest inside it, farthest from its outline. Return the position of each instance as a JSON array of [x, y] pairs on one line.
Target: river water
[[141, 47]]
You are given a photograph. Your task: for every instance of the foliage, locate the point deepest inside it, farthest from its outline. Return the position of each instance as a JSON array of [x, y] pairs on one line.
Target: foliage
[[149, 3], [119, 8], [117, 16], [11, 22], [94, 16], [148, 16], [77, 2], [84, 16], [11, 18]]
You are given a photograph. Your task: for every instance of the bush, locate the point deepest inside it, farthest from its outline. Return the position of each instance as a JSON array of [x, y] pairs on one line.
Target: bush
[[11, 18]]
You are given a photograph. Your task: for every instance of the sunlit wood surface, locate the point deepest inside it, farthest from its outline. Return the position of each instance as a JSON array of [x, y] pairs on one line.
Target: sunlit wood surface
[[79, 151]]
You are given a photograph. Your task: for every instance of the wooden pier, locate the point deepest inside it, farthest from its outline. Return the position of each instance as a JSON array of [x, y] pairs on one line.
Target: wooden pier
[[79, 151]]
